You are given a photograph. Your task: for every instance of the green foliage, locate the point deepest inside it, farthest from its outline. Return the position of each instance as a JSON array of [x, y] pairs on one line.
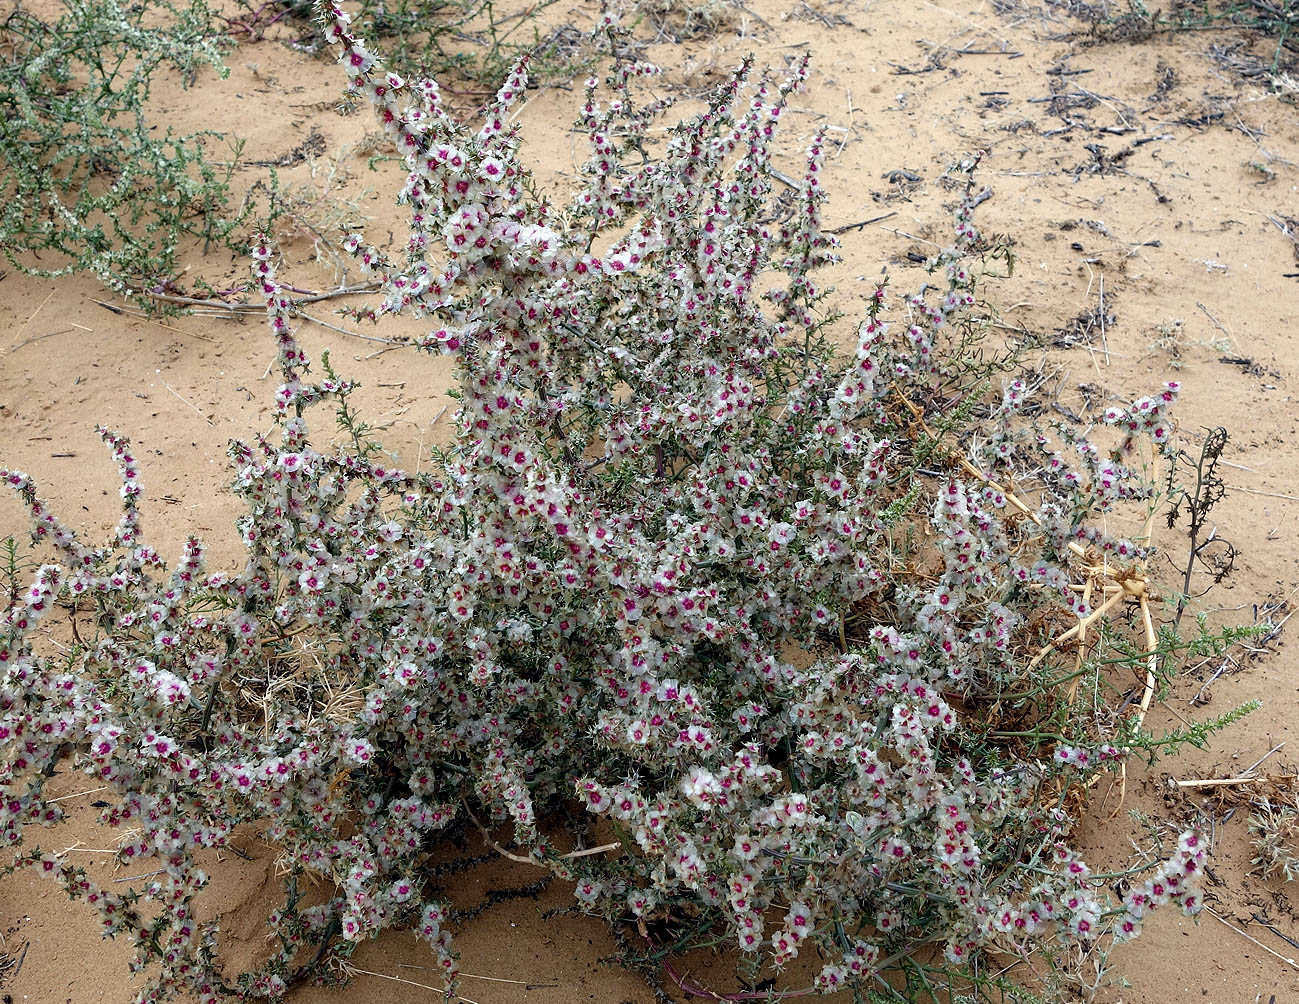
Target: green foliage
[[14, 565], [96, 181], [1277, 19], [1062, 704], [1175, 651], [468, 38], [356, 429], [901, 506], [1196, 734], [92, 182]]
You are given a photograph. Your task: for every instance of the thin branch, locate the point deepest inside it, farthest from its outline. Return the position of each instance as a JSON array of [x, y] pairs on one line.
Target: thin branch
[[1152, 662], [352, 970], [583, 853], [1249, 937], [1216, 782], [253, 308]]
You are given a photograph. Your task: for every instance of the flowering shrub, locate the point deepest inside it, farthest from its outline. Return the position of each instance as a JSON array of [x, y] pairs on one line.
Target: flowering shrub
[[793, 645]]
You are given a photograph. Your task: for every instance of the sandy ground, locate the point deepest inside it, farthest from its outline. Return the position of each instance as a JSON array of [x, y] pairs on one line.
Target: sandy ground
[[1144, 181]]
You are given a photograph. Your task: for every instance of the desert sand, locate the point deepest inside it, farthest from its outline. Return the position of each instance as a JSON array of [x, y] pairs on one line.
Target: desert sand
[[1150, 185]]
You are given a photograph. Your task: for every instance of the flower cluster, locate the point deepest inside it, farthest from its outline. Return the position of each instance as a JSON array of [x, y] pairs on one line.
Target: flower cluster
[[1175, 881], [684, 567]]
